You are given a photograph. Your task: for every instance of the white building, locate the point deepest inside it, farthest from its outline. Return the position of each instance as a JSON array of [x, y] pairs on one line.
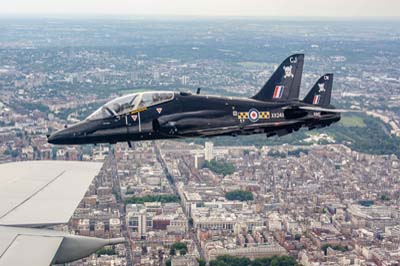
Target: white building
[[136, 219], [209, 151], [261, 251]]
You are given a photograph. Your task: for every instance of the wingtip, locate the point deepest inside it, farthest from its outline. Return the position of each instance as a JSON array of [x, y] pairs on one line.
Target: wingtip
[[115, 241]]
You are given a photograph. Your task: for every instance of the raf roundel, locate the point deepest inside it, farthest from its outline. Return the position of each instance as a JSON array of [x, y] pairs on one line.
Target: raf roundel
[[254, 115]]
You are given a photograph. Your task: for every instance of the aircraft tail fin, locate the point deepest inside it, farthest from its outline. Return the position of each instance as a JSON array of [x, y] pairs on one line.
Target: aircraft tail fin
[[320, 94], [284, 83]]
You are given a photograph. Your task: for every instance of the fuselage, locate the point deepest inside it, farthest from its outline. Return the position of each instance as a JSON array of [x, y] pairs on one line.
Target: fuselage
[[192, 115]]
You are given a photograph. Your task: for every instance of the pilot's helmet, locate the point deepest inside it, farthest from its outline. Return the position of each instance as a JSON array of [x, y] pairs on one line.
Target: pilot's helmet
[[156, 97], [116, 107]]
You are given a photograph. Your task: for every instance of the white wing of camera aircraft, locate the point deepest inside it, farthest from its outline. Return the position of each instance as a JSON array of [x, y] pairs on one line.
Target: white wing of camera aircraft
[[36, 194]]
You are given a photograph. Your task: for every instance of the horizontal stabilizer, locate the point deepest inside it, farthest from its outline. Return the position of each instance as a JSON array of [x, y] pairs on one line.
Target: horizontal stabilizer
[[321, 109]]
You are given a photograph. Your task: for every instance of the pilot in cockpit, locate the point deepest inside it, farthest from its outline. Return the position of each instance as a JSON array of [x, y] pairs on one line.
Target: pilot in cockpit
[[156, 97]]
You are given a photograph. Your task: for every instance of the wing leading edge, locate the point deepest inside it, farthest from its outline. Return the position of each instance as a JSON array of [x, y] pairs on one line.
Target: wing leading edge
[[40, 193]]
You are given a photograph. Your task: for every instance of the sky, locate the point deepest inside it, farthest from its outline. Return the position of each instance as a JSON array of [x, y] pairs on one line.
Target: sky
[[259, 8]]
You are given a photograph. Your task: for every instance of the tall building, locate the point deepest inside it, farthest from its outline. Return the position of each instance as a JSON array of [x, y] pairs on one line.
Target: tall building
[[156, 75], [198, 161], [184, 80], [209, 151], [136, 219]]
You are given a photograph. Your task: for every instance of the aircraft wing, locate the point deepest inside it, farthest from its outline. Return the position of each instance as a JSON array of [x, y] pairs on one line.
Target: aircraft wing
[[40, 247], [210, 132], [39, 193], [18, 246], [42, 193]]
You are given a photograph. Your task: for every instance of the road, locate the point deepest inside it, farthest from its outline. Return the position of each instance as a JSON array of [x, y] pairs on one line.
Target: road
[[171, 181], [112, 164]]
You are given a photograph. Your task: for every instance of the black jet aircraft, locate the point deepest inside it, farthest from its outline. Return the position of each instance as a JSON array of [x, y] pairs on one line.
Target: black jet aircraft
[[274, 110]]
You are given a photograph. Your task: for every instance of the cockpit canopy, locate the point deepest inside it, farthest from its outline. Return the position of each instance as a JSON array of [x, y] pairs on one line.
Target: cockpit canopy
[[131, 102]]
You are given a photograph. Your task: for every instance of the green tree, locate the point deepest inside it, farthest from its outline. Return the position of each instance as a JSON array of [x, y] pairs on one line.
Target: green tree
[[366, 203], [105, 251], [334, 247], [276, 154], [384, 197], [202, 262], [152, 198], [221, 168], [178, 246], [270, 261], [239, 195]]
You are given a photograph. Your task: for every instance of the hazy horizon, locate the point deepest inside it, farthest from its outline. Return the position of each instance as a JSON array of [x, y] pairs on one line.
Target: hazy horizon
[[196, 17], [208, 8]]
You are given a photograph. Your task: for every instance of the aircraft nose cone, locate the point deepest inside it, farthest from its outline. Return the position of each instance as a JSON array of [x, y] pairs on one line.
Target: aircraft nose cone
[[55, 138], [74, 134], [68, 135]]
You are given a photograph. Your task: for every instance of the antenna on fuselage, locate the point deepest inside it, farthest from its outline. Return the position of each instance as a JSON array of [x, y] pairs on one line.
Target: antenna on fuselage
[[198, 90]]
